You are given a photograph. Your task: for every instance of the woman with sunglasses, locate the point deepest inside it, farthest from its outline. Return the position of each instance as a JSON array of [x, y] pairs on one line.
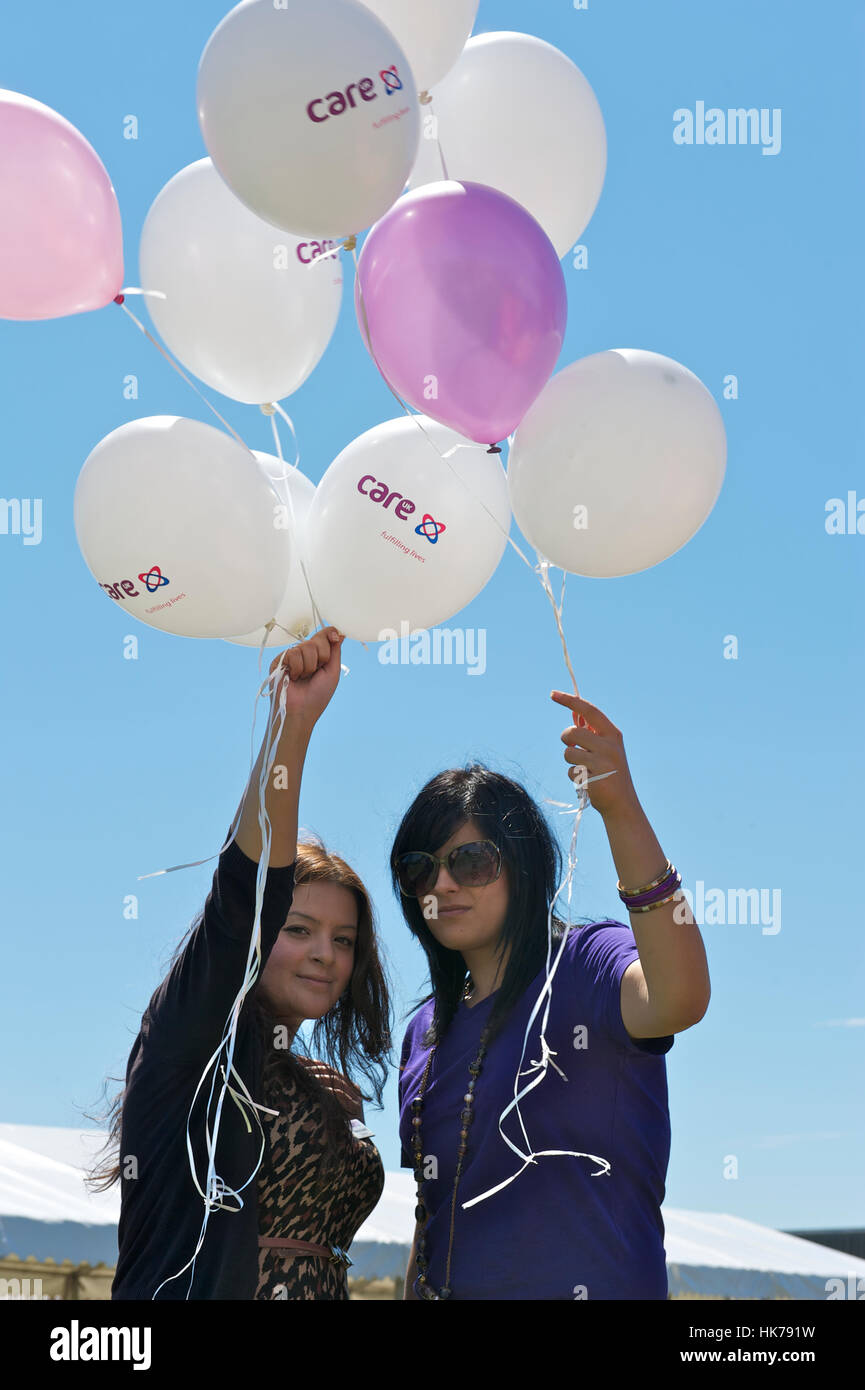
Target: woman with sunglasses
[[298, 1171], [572, 1210]]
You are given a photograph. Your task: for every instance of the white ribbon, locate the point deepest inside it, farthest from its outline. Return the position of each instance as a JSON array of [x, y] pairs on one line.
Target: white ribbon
[[542, 1065]]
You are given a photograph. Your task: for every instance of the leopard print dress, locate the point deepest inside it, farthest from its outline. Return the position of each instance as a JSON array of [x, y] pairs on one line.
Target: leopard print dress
[[294, 1204]]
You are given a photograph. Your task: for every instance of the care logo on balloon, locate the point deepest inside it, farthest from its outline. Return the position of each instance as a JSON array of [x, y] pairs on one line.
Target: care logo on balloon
[[337, 102], [391, 80], [429, 528], [315, 250], [152, 580], [433, 534]]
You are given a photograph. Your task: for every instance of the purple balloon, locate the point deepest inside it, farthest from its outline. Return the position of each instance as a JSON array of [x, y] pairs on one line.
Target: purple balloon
[[466, 304]]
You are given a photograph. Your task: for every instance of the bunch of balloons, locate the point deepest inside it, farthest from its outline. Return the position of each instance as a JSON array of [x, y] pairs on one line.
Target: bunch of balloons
[[470, 193]]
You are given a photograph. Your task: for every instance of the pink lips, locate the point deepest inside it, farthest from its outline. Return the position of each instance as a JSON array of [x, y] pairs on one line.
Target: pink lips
[[313, 980]]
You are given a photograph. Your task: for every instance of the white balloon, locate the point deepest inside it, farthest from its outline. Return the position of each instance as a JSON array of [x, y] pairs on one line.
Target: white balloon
[[515, 113], [176, 522], [395, 535], [617, 463], [432, 35], [294, 616], [248, 309], [310, 113]]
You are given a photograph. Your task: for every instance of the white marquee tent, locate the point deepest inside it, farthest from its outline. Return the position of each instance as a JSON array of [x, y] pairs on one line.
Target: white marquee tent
[[46, 1211]]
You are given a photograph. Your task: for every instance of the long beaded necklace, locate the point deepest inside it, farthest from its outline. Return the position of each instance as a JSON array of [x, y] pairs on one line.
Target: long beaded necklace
[[426, 1289]]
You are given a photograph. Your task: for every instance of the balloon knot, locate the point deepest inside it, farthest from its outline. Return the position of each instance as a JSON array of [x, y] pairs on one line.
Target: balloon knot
[[350, 243], [494, 449], [267, 408], [424, 98], [119, 298]]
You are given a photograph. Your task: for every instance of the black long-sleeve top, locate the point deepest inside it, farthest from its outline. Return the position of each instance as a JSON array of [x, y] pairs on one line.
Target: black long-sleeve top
[[161, 1210]]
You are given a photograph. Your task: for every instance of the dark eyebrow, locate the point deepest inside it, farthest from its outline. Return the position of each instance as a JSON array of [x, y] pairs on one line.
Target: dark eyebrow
[[293, 912]]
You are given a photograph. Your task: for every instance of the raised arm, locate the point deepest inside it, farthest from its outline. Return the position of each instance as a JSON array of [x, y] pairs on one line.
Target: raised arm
[[188, 1012], [313, 672], [667, 989]]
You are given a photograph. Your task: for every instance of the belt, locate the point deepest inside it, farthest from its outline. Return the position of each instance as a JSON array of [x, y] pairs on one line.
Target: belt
[[334, 1253]]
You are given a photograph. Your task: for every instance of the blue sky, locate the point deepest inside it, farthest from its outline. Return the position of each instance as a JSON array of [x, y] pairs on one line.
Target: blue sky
[[750, 769]]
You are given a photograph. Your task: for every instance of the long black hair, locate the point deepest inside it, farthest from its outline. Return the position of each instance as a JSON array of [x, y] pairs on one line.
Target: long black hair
[[508, 816]]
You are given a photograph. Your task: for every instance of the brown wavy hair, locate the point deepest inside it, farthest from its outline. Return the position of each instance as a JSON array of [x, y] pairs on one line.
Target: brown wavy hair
[[354, 1037]]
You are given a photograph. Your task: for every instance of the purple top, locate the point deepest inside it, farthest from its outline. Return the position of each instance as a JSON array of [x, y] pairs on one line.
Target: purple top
[[556, 1232]]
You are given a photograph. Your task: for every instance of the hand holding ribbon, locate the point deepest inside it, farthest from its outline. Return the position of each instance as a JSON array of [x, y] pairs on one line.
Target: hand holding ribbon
[[593, 742]]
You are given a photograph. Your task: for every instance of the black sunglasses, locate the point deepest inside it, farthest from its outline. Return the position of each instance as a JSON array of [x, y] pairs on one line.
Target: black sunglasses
[[471, 866]]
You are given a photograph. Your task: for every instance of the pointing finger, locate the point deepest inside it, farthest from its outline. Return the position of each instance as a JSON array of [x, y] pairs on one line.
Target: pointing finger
[[596, 718]]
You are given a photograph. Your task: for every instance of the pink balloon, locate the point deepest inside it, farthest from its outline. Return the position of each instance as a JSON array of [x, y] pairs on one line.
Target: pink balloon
[[61, 239], [466, 304]]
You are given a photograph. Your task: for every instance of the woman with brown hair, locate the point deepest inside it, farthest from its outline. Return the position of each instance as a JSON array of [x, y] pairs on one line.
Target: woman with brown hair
[[297, 1172]]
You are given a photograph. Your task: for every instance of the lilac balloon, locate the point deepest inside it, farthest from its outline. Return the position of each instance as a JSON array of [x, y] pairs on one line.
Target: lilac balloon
[[466, 304], [61, 241]]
